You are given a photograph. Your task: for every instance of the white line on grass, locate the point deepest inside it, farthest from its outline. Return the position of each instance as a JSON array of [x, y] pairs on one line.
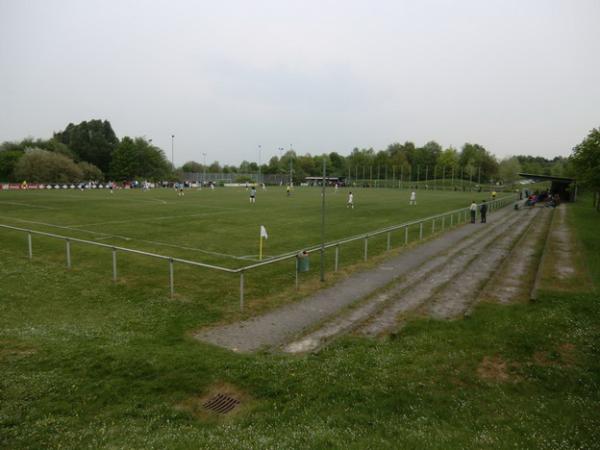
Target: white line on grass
[[25, 204], [108, 236], [148, 219]]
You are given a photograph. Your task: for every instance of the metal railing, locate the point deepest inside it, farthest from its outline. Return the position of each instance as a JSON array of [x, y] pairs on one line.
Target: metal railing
[[444, 221]]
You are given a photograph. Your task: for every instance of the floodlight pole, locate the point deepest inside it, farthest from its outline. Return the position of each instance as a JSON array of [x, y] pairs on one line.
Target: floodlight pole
[[173, 151], [280, 158], [291, 180], [259, 150], [323, 222]]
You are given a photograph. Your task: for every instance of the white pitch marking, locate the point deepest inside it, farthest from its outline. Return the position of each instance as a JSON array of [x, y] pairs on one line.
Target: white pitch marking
[[25, 204], [149, 219], [107, 236]]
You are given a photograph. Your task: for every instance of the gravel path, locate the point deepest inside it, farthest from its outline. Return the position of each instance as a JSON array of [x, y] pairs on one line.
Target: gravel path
[[283, 324]]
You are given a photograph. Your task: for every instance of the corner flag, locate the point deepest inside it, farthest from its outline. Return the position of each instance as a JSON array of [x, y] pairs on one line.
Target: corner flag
[[263, 234]]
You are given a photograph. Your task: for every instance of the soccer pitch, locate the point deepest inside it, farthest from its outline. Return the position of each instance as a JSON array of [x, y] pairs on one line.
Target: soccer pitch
[[219, 227]]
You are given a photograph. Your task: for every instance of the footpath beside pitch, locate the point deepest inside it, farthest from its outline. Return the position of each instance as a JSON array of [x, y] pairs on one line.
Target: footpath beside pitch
[[283, 324]]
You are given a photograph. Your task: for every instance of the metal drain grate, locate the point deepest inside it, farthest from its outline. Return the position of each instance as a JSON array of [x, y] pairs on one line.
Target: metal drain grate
[[221, 404]]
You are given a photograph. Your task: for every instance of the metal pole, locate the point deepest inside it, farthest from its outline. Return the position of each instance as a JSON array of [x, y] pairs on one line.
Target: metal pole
[[259, 149], [323, 221], [114, 261], [337, 257], [433, 226], [451, 220], [68, 253], [443, 222], [242, 290], [401, 176], [420, 230], [389, 240], [366, 247], [171, 281], [173, 151], [406, 235], [30, 247]]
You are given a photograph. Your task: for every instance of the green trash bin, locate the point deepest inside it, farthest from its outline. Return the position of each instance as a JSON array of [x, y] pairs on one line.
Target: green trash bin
[[303, 261]]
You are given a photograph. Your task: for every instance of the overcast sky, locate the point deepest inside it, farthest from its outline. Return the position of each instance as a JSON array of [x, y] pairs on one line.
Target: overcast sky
[[519, 77]]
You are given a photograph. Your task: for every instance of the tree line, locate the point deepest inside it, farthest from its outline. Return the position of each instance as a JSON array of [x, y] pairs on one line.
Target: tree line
[[91, 150], [406, 160]]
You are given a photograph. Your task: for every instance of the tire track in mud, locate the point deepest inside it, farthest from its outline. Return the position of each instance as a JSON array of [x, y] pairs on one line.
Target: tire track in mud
[[412, 290]]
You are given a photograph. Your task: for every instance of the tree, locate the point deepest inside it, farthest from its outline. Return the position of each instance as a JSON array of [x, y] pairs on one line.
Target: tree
[[426, 156], [8, 161], [586, 160], [137, 158], [192, 167], [478, 161], [92, 141], [90, 171], [508, 169], [42, 166], [449, 159]]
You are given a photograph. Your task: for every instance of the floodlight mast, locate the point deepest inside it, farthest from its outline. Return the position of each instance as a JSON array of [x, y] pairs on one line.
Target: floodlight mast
[[291, 181], [281, 157], [323, 222], [173, 151], [259, 150]]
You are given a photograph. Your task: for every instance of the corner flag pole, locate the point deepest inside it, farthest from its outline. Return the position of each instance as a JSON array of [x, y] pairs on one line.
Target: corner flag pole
[[263, 234]]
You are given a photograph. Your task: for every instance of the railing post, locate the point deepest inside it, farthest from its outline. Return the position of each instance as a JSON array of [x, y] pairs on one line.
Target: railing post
[[337, 257], [30, 246], [451, 220], [68, 246], [242, 289], [171, 280], [421, 231], [296, 258], [389, 240], [366, 247], [443, 223], [406, 235], [433, 226], [114, 265]]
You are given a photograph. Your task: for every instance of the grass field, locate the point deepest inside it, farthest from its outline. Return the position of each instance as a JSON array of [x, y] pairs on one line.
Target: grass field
[[217, 227], [85, 364]]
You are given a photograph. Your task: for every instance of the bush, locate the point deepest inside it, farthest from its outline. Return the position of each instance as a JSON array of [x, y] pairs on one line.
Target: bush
[[42, 166]]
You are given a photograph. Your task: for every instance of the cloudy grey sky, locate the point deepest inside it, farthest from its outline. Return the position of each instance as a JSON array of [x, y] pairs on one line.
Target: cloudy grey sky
[[225, 76]]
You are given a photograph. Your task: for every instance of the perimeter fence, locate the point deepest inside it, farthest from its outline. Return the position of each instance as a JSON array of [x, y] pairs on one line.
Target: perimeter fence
[[438, 223]]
